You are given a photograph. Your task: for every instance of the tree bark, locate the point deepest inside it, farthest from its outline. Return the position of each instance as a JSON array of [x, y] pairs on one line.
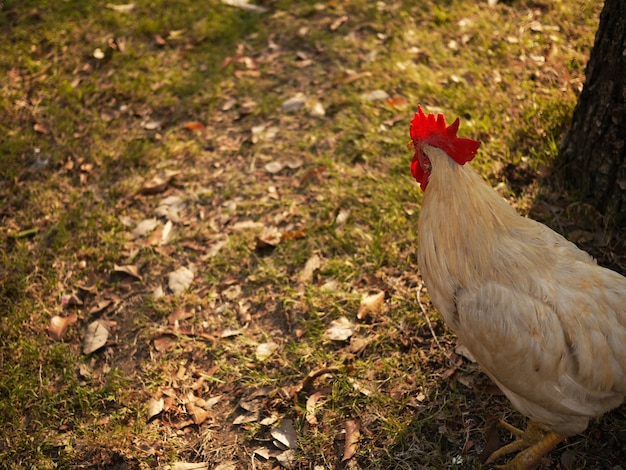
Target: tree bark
[[594, 149]]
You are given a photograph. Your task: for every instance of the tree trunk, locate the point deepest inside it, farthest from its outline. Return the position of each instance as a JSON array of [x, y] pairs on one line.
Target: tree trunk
[[594, 149]]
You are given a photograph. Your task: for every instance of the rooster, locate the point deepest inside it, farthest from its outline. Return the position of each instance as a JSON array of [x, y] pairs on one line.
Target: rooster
[[541, 318]]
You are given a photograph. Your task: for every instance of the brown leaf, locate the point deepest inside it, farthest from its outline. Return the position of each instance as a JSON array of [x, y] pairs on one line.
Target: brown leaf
[[58, 325], [311, 404], [159, 183], [164, 343], [41, 128], [312, 265], [130, 269], [197, 414], [353, 432], [180, 314], [371, 305], [338, 22], [159, 41], [123, 8], [96, 337]]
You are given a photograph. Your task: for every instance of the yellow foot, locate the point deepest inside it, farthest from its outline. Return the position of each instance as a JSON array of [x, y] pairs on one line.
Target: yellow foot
[[531, 444]]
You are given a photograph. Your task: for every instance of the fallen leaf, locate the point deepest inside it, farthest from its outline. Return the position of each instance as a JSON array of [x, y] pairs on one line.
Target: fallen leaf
[[338, 22], [375, 95], [287, 459], [198, 415], [340, 329], [164, 343], [96, 337], [170, 208], [274, 167], [159, 183], [316, 108], [270, 238], [265, 350], [245, 418], [100, 306], [41, 128], [152, 125], [285, 435], [230, 465], [189, 466], [144, 227], [180, 280], [262, 452], [194, 126], [155, 407], [121, 8], [312, 265], [342, 217], [353, 432], [58, 325], [371, 305], [244, 5], [180, 314], [130, 269], [293, 104], [231, 331], [311, 405]]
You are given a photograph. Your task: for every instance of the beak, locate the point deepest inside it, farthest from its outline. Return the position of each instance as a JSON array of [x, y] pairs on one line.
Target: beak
[[411, 146]]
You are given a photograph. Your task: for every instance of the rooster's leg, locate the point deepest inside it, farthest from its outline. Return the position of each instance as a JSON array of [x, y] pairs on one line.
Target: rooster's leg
[[531, 444]]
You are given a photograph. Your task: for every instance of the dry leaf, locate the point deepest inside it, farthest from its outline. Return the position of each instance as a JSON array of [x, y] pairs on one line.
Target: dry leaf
[[338, 22], [122, 8], [100, 306], [58, 326], [287, 459], [371, 305], [340, 329], [311, 405], [164, 343], [180, 314], [144, 227], [274, 167], [312, 264], [265, 350], [230, 465], [180, 280], [375, 95], [245, 418], [352, 427], [244, 5], [198, 415], [130, 269], [189, 466], [96, 337], [41, 128], [154, 408], [285, 435], [293, 104], [194, 126], [159, 183], [342, 217], [170, 208]]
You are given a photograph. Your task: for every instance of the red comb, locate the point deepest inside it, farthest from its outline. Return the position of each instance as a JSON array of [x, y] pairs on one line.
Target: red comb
[[428, 130]]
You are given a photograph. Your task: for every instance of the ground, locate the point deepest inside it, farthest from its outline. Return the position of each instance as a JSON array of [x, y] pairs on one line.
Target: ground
[[209, 228]]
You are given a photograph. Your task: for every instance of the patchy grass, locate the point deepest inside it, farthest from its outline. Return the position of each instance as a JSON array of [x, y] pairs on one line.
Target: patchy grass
[[97, 103]]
